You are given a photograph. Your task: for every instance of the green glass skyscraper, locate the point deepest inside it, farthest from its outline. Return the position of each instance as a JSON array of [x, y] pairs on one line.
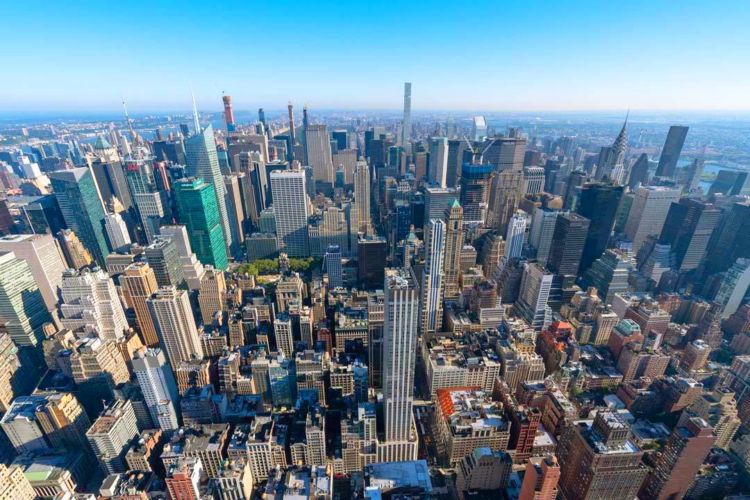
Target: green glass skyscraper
[[82, 208], [197, 206], [22, 306]]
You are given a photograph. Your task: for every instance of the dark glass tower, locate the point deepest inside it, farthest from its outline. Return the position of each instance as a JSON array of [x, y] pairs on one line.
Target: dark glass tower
[[598, 202], [731, 240], [474, 185], [568, 242], [688, 229], [671, 152]]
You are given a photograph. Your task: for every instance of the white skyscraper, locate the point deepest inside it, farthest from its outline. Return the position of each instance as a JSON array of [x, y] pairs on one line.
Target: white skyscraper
[[399, 355], [536, 284], [175, 325], [111, 435], [292, 211], [90, 301], [158, 386], [117, 232], [43, 255], [438, 174], [406, 124], [203, 161], [282, 329], [318, 144], [515, 235], [540, 234], [332, 262], [479, 130], [431, 312], [362, 196], [648, 213], [191, 266]]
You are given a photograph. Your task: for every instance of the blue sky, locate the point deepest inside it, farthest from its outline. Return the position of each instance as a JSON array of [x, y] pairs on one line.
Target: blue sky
[[494, 55]]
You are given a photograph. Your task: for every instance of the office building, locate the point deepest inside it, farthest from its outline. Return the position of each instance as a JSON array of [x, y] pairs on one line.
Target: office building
[[117, 232], [600, 460], [670, 154], [150, 201], [22, 306], [158, 386], [42, 253], [731, 239], [200, 212], [292, 211], [362, 197], [648, 213], [567, 245], [175, 326], [76, 255], [515, 236], [184, 478], [454, 242], [371, 255], [598, 203], [687, 229], [138, 283], [609, 274], [536, 284], [332, 266], [438, 172], [399, 346], [164, 259], [679, 461], [475, 180], [203, 163], [82, 208], [110, 436], [543, 222], [90, 302], [318, 150], [212, 294], [733, 287], [431, 303]]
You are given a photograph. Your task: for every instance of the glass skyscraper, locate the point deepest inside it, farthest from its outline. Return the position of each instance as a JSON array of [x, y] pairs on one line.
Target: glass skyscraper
[[198, 208]]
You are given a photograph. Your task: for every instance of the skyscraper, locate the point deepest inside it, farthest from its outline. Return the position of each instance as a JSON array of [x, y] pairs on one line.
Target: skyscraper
[[175, 325], [598, 203], [568, 240], [406, 123], [150, 202], [111, 434], [292, 211], [431, 304], [42, 253], [81, 208], [158, 386], [22, 306], [438, 172], [362, 196], [679, 461], [203, 163], [733, 287], [76, 255], [648, 213], [318, 147], [670, 154], [688, 229], [515, 236], [399, 346], [536, 283], [474, 191], [138, 283], [117, 232], [164, 259], [454, 242], [542, 230], [731, 239], [212, 295], [90, 302], [332, 263], [639, 172], [200, 212]]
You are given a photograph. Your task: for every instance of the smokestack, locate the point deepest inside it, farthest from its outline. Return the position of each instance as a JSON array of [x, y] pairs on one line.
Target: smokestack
[[228, 113]]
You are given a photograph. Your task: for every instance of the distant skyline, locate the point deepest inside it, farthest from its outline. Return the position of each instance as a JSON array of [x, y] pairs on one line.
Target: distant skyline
[[85, 57]]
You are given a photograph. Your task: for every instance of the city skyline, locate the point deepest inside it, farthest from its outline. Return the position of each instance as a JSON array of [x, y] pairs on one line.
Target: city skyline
[[510, 57]]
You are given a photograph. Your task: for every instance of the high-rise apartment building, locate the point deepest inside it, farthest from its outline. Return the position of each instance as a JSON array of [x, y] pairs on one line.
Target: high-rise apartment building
[[158, 386], [201, 213], [292, 210], [82, 208], [203, 163], [175, 325], [454, 242], [111, 434], [670, 154], [406, 122]]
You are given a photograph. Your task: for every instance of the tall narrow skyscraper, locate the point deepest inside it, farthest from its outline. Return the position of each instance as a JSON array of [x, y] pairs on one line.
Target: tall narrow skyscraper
[[199, 211], [454, 242], [292, 211], [175, 325], [567, 244], [438, 172], [431, 305], [82, 208], [406, 123], [318, 147], [670, 154], [598, 202], [138, 283], [399, 346], [688, 229], [203, 162], [117, 232], [515, 236], [158, 386], [362, 196]]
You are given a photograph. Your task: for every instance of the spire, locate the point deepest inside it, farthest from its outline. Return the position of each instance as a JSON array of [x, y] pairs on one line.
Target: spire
[[127, 120], [196, 121], [621, 142]]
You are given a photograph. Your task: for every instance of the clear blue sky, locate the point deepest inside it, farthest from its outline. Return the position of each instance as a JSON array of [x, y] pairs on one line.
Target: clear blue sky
[[494, 55]]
